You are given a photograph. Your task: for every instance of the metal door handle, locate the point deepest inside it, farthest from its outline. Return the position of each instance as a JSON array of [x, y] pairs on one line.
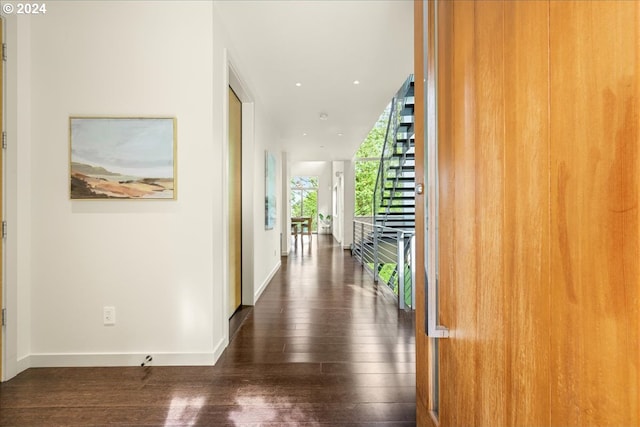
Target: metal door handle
[[433, 329]]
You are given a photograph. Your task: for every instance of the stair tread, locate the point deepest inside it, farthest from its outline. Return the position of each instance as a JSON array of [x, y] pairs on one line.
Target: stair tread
[[399, 197], [401, 189]]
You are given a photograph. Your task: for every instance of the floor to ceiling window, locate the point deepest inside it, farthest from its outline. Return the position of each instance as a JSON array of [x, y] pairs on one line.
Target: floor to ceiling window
[[304, 198], [367, 165]]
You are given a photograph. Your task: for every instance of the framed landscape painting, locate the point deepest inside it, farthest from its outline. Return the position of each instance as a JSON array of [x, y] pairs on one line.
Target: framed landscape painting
[[270, 191], [122, 158]]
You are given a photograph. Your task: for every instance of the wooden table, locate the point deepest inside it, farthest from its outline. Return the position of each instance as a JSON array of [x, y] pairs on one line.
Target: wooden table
[[302, 220]]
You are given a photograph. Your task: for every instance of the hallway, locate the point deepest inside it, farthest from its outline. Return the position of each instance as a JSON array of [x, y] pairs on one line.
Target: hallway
[[321, 346]]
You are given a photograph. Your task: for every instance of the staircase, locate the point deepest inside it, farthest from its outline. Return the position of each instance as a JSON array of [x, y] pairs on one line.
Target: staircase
[[385, 247], [394, 197]]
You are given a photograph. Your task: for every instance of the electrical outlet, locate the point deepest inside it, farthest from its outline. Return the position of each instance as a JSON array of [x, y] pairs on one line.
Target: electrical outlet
[[109, 315]]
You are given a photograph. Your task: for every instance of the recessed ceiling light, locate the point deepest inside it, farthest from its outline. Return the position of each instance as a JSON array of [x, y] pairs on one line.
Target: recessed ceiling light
[[356, 82], [339, 134], [304, 134], [298, 84], [324, 116]]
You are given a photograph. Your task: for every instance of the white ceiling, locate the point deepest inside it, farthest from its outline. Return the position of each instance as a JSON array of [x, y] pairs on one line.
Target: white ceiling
[[325, 45]]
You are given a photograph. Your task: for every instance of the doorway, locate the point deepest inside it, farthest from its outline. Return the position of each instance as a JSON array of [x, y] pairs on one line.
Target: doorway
[[235, 202], [304, 199]]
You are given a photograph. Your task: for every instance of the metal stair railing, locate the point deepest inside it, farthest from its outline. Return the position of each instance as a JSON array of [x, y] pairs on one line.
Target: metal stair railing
[[389, 255]]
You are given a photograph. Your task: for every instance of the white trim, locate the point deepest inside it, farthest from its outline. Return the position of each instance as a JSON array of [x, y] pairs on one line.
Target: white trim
[[3, 279], [23, 363], [233, 79], [52, 360], [248, 189], [46, 360], [283, 253], [17, 211], [264, 284], [219, 348], [224, 312], [55, 360]]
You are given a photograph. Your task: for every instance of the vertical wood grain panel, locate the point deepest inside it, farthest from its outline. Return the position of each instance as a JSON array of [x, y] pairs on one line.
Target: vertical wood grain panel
[[446, 160], [458, 354], [526, 214], [594, 212], [446, 174], [491, 286]]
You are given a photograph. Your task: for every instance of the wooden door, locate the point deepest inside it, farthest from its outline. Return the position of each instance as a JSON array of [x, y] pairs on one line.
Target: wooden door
[[424, 347], [235, 202], [595, 170], [538, 115]]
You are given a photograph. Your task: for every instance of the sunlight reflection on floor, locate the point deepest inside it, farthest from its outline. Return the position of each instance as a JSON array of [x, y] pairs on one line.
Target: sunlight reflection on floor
[[255, 409], [184, 411]]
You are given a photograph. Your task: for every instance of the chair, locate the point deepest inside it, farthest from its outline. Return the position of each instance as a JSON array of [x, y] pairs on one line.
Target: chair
[[294, 232], [305, 229]]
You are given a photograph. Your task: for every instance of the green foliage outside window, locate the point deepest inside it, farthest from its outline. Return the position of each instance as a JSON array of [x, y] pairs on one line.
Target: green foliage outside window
[[367, 170], [304, 198]]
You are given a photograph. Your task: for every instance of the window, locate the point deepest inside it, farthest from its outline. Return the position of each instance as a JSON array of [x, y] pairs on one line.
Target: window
[[367, 164], [304, 198]]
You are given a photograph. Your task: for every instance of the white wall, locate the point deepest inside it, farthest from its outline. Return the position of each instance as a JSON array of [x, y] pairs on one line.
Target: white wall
[[325, 198], [285, 242], [349, 202], [258, 136], [337, 176], [160, 263], [267, 242], [344, 180], [151, 260]]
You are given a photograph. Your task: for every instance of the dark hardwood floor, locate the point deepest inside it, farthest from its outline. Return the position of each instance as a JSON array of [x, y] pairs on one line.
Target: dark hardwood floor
[[323, 346]]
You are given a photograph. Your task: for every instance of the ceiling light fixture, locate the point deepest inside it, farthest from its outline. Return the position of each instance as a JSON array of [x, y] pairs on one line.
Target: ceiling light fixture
[[324, 116], [304, 134], [356, 82], [298, 84], [339, 134]]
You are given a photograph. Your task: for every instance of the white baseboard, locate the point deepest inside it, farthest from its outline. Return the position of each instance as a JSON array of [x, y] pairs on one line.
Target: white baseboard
[[55, 360], [283, 253], [23, 364], [264, 284], [219, 348], [13, 369]]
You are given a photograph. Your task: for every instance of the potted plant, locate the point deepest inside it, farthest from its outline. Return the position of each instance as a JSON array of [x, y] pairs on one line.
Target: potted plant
[[325, 223]]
